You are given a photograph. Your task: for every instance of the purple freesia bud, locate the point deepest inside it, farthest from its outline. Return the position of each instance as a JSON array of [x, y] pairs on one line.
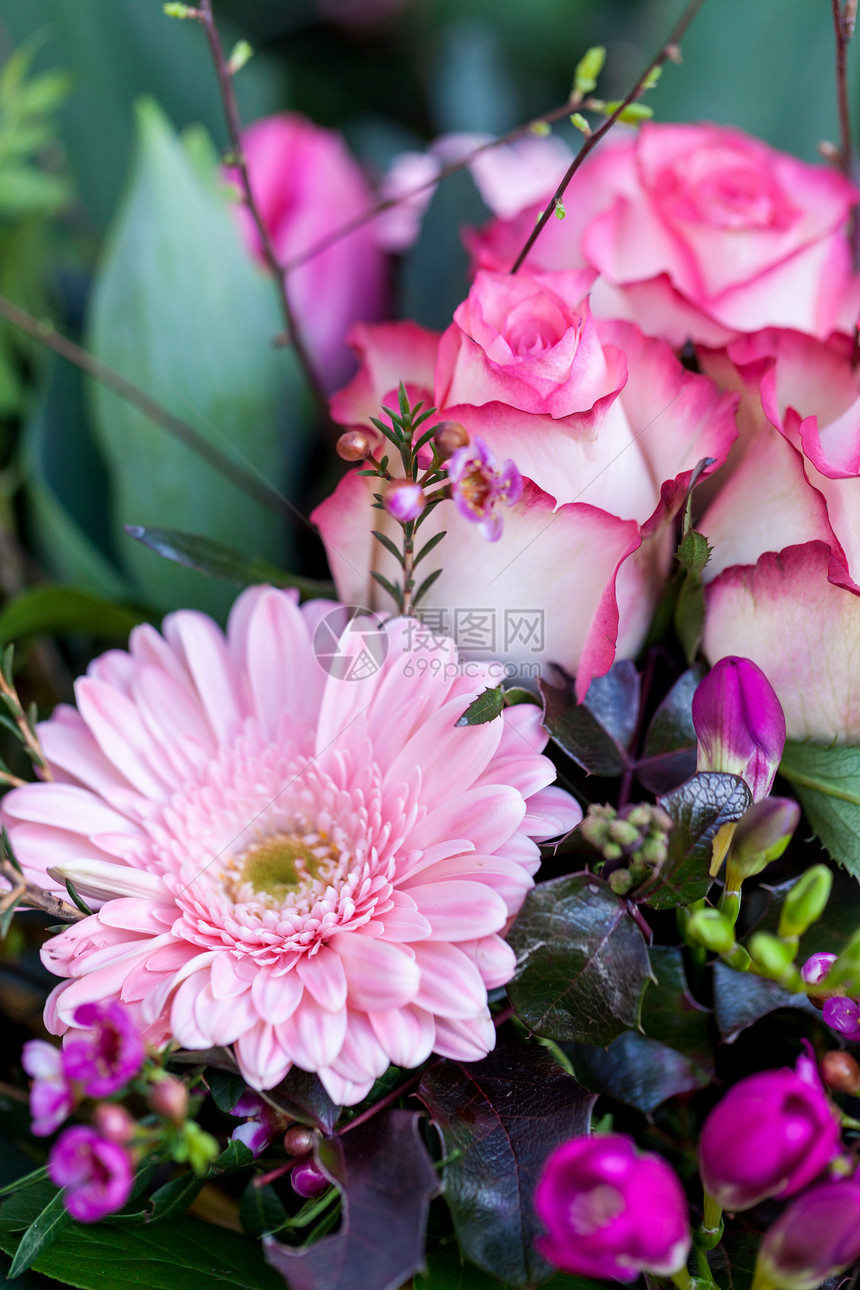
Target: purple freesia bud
[[96, 1173], [263, 1124], [479, 486], [51, 1095], [109, 1055], [404, 500], [308, 1180], [739, 724], [843, 1016], [816, 967], [610, 1211], [770, 1136], [817, 1235]]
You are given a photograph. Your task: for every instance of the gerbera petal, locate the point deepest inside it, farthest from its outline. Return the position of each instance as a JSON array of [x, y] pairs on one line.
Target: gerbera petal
[[451, 985], [323, 975], [406, 1034], [460, 911]]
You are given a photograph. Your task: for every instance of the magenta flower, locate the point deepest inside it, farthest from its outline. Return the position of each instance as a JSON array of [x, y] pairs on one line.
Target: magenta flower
[[770, 1136], [51, 1095], [610, 1211], [108, 1054], [479, 486], [739, 724], [843, 1016], [96, 1173], [315, 870], [308, 1180], [817, 1235]]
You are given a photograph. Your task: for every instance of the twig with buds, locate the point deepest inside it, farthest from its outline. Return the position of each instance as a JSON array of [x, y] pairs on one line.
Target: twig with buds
[[226, 69], [669, 52]]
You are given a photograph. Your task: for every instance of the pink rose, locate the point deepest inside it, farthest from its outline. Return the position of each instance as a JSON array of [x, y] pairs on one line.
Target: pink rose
[[785, 527], [699, 232], [604, 425], [306, 185]]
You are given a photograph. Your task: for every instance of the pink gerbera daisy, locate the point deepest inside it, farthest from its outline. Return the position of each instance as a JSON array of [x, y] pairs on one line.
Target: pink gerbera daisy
[[297, 851]]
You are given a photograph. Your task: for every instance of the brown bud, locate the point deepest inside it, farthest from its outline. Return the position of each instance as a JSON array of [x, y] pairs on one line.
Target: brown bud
[[354, 445], [169, 1097], [450, 436], [114, 1122], [840, 1071], [298, 1140]]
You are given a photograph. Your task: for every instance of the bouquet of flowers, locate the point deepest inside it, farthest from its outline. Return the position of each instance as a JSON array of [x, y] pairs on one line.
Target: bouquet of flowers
[[488, 914]]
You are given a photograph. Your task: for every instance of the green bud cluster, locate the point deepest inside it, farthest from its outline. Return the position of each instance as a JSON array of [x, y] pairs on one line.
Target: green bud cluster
[[635, 841]]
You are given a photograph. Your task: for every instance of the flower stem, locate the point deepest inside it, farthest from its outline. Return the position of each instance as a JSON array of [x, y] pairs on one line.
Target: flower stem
[[710, 1232]]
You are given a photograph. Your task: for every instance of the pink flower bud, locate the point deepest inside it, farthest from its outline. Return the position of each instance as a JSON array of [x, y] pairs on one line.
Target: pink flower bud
[[298, 1139], [816, 967], [404, 500], [96, 1173], [308, 1180], [169, 1097], [770, 1136], [815, 1237], [610, 1211], [107, 1054], [739, 724], [114, 1122]]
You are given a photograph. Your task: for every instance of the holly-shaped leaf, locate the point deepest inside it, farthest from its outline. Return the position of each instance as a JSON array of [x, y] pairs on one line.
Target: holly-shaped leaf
[[699, 809], [669, 755], [595, 733], [499, 1120]]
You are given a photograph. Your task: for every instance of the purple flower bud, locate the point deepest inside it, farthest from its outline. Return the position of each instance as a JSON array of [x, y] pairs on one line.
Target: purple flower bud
[[739, 724], [816, 967], [479, 486], [611, 1212], [110, 1120], [169, 1097], [843, 1016], [109, 1055], [815, 1237], [51, 1094], [771, 1135], [263, 1125], [96, 1173], [308, 1180], [404, 500]]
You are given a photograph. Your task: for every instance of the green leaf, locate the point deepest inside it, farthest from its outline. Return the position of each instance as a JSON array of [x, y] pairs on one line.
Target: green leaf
[[582, 963], [218, 560], [500, 1119], [693, 554], [41, 1233], [25, 192], [488, 705], [172, 1198], [699, 809], [827, 783], [260, 1210], [200, 343], [37, 1176], [596, 732], [65, 609], [178, 1254], [389, 546], [387, 1180], [226, 1088], [236, 1155]]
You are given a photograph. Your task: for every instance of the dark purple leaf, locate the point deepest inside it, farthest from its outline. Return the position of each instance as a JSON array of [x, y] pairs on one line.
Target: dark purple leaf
[[699, 808], [387, 1181], [504, 1115], [669, 755], [596, 732], [303, 1097], [582, 963], [741, 998]]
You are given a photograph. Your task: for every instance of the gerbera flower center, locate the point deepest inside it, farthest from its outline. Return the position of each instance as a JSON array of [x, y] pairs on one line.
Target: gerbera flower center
[[282, 865]]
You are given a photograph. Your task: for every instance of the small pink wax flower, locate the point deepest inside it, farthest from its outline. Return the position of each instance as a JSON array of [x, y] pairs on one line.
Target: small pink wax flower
[[479, 486], [51, 1095], [404, 500], [109, 1055], [611, 1211], [96, 1173]]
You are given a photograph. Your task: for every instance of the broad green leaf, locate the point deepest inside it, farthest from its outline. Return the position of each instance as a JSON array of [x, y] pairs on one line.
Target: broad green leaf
[[178, 1254], [226, 1088], [387, 1180], [486, 707], [260, 1210], [827, 784], [41, 1234], [64, 609], [200, 342], [699, 809], [220, 561], [500, 1119], [582, 963]]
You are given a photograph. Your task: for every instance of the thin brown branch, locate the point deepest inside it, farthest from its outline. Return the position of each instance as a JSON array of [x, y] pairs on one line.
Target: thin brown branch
[[445, 172], [234, 126], [48, 335], [668, 51], [26, 893], [26, 733], [844, 14]]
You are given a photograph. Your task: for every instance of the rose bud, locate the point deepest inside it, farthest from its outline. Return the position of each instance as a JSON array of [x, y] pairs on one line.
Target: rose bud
[[404, 500], [770, 1136], [308, 1180], [815, 1237], [610, 1211], [739, 724]]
